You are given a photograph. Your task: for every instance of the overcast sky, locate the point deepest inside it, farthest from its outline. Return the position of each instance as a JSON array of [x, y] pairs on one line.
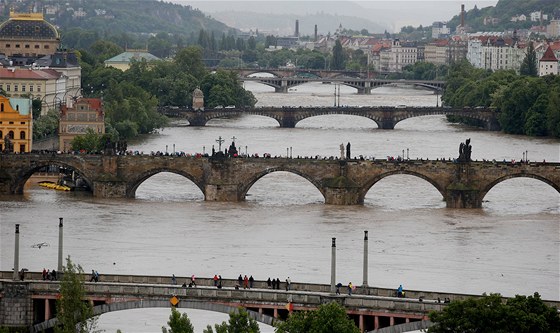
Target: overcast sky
[[395, 13]]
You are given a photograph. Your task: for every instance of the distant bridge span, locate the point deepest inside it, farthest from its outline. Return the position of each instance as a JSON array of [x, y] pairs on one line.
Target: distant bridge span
[[385, 117], [364, 86]]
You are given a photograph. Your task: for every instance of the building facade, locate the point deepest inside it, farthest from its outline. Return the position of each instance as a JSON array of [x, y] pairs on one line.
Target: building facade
[[28, 35], [83, 114], [46, 85], [16, 125], [548, 64]]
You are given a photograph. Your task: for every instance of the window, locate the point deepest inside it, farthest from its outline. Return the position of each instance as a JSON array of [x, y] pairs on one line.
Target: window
[[22, 123], [17, 46], [11, 134], [8, 45], [31, 88], [16, 88], [2, 107], [38, 88], [22, 148], [23, 88], [37, 46], [26, 46], [8, 88], [22, 135], [46, 46]]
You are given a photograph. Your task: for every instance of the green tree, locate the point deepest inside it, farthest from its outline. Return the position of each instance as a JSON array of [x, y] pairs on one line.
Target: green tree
[[338, 61], [529, 64], [239, 322], [490, 314], [178, 323], [535, 124], [46, 125], [74, 313], [553, 112], [328, 318]]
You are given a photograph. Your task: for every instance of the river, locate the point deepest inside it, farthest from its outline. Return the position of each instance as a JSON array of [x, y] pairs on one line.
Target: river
[[510, 246]]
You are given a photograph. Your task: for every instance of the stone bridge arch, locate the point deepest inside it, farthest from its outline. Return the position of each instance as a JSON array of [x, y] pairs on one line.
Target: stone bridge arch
[[247, 186], [133, 185], [371, 182], [545, 180], [24, 174], [144, 304]]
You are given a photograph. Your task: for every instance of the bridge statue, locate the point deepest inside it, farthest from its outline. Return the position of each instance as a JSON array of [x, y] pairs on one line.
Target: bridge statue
[[465, 151], [8, 145]]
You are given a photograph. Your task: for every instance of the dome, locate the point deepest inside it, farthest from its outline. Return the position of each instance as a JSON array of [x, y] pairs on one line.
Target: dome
[[27, 26]]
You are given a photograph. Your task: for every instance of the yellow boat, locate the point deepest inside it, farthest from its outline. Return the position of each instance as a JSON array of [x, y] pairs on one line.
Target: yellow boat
[[54, 186]]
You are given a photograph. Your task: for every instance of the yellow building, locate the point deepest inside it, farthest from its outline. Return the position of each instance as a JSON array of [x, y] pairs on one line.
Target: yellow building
[[16, 125], [76, 119], [28, 35]]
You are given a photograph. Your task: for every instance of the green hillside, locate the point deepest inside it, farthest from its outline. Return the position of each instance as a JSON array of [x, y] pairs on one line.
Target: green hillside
[[505, 10], [124, 16]]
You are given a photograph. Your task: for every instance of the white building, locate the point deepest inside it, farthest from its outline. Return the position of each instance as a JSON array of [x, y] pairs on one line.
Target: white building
[[440, 29], [553, 28], [495, 53], [548, 64]]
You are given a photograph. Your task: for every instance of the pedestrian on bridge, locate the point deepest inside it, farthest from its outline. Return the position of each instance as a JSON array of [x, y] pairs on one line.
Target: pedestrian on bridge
[[251, 280], [288, 284], [173, 280], [193, 282], [350, 286], [215, 280], [245, 282]]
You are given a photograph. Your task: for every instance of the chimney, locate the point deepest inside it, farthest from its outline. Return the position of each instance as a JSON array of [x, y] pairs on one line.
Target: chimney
[[297, 29], [462, 15], [315, 32]]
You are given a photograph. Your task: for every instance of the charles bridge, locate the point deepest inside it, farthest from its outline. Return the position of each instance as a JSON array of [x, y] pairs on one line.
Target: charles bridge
[[31, 303], [385, 117], [341, 182]]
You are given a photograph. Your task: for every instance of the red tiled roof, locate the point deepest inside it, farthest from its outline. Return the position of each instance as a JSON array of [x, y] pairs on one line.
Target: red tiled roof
[[549, 55], [42, 74]]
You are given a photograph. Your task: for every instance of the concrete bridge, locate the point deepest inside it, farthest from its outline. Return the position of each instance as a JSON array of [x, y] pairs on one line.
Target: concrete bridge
[[364, 86], [385, 117], [341, 182], [302, 72], [32, 302]]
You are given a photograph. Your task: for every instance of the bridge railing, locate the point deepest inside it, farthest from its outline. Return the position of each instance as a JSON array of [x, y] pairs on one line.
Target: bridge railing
[[262, 284]]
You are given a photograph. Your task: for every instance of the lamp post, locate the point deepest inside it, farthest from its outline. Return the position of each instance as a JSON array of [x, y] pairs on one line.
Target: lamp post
[[246, 151], [407, 153], [166, 149]]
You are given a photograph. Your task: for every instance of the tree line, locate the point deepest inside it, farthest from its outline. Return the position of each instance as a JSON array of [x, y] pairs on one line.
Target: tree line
[[527, 105]]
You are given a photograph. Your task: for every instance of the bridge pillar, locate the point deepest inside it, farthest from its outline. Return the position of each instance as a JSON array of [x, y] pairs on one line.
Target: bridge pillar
[[462, 198], [16, 305], [288, 122], [109, 189], [198, 119], [342, 196], [222, 192], [283, 87], [462, 193], [387, 124]]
